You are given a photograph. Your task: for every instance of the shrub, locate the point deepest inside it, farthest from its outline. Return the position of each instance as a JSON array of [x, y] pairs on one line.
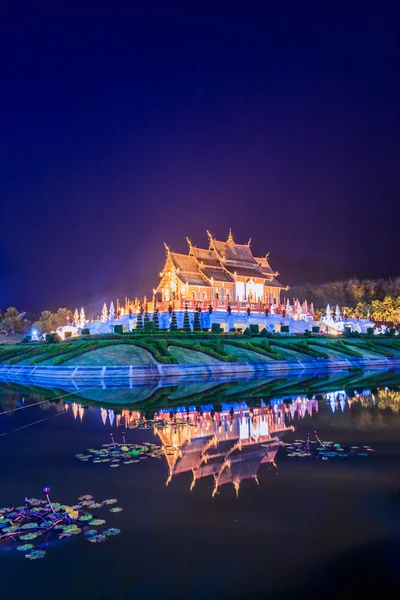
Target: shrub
[[284, 328], [254, 329], [216, 328], [139, 321], [265, 333], [196, 322], [53, 338], [264, 348], [247, 332], [370, 331], [174, 324], [315, 329], [51, 352], [85, 331], [156, 322], [148, 326], [118, 329], [339, 346], [186, 322], [212, 349]]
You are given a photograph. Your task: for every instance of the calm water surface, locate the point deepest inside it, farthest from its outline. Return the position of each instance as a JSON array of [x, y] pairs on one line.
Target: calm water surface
[[310, 526]]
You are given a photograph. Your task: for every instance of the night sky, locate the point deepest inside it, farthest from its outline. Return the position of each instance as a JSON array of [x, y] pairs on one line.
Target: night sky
[[120, 131]]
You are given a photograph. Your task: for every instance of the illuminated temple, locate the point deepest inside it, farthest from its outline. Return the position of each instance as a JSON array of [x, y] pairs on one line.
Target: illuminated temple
[[224, 273]]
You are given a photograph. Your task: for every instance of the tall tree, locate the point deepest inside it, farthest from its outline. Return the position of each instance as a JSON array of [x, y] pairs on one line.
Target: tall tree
[[13, 321]]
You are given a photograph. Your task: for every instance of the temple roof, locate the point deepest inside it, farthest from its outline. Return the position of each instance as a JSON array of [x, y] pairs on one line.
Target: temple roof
[[235, 253], [265, 267], [218, 274], [207, 257], [274, 283], [188, 270], [246, 271], [220, 262]]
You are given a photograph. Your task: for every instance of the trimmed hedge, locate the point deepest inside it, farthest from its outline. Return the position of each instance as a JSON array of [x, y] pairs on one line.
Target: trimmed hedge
[[152, 347], [263, 348], [7, 353], [339, 346], [301, 347], [208, 349], [369, 345], [27, 353], [60, 349]]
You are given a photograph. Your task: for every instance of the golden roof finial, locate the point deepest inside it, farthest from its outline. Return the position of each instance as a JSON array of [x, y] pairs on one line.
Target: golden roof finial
[[166, 247], [230, 237], [209, 234], [249, 242]]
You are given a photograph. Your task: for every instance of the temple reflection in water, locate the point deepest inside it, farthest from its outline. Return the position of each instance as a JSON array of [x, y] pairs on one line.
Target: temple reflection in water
[[229, 445]]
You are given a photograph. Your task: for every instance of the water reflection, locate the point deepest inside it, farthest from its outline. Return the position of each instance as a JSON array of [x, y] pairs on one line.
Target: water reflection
[[229, 445]]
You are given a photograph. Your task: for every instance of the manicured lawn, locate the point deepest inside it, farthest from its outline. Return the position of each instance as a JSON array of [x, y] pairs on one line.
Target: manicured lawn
[[112, 356], [243, 355], [191, 356]]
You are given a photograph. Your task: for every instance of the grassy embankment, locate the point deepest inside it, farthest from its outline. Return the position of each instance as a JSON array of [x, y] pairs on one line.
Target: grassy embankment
[[195, 349]]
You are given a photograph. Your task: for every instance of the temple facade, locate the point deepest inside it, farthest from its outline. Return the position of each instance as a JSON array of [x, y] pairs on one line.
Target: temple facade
[[225, 273]]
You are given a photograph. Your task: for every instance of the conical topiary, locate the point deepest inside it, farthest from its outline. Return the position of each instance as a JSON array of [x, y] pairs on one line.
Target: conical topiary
[[156, 322], [196, 322], [139, 321], [174, 323], [186, 322]]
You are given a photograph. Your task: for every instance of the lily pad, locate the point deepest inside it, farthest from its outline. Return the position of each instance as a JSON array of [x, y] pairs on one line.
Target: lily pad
[[29, 536], [90, 532], [97, 522], [25, 547], [97, 538], [117, 509], [35, 554], [10, 529], [112, 531]]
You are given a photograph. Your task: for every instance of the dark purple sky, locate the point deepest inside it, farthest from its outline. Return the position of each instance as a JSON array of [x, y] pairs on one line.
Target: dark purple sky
[[121, 131]]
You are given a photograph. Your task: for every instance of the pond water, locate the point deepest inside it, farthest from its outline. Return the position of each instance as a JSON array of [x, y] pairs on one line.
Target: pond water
[[247, 511]]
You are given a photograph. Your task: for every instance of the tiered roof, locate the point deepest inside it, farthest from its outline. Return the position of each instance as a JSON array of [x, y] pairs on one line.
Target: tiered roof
[[221, 262]]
